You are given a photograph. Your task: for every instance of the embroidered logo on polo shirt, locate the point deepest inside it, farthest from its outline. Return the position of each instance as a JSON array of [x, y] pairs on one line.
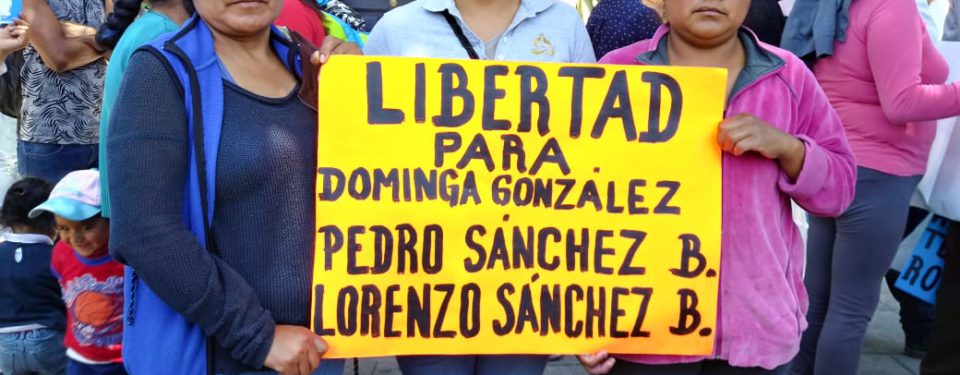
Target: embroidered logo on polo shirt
[[542, 46]]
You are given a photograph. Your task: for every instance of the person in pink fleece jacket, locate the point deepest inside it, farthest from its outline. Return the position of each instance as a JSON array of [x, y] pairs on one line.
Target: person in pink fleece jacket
[[781, 141], [886, 82]]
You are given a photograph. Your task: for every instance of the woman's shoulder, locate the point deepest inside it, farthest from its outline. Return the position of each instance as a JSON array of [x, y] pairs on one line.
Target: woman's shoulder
[[789, 59], [561, 11], [147, 59], [145, 29], [148, 72], [626, 55], [792, 81], [886, 13]]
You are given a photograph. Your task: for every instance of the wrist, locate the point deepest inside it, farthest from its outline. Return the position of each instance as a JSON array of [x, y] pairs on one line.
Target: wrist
[[267, 336], [791, 147], [794, 152]]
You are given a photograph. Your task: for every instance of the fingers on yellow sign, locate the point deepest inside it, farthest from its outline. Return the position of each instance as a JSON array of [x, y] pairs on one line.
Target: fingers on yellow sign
[[469, 207]]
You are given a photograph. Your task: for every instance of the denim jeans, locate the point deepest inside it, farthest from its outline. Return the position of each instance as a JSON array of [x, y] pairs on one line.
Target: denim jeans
[[473, 364], [52, 161], [327, 367], [39, 351], [80, 368]]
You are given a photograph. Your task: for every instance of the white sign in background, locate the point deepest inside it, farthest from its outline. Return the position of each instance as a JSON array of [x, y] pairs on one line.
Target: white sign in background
[[940, 187], [9, 9]]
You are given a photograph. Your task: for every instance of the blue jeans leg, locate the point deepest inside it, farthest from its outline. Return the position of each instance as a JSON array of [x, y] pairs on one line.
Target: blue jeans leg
[[511, 364], [473, 364], [78, 368], [437, 364], [330, 367], [12, 359], [327, 367], [52, 161], [39, 351]]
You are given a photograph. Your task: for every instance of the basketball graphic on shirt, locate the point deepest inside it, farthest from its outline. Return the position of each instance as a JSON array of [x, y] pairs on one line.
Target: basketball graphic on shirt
[[94, 308]]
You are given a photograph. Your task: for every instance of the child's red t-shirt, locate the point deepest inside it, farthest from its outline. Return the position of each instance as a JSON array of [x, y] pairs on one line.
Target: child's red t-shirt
[[93, 293]]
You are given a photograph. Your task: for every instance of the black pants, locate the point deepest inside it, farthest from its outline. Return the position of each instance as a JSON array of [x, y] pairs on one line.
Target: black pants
[[697, 368], [916, 315], [943, 358]]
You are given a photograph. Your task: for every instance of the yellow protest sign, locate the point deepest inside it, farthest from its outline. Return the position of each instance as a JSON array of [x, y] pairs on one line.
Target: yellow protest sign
[[471, 207]]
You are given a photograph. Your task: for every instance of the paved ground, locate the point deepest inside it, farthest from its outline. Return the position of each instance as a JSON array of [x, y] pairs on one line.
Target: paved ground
[[881, 352]]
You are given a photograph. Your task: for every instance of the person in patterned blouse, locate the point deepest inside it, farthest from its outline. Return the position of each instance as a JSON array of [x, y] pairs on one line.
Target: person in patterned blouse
[[619, 23], [62, 80]]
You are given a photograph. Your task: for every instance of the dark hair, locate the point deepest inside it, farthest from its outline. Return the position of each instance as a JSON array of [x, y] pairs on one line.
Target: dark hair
[[188, 5], [124, 12], [22, 197]]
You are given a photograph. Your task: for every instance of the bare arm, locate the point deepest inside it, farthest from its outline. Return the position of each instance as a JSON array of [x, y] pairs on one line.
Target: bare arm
[[73, 30], [59, 52]]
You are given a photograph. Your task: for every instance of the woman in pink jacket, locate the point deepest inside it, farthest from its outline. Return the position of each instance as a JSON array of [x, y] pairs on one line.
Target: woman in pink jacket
[[781, 141], [886, 83]]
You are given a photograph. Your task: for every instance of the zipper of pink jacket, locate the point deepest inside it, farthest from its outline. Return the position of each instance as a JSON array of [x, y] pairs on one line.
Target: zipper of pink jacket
[[717, 341]]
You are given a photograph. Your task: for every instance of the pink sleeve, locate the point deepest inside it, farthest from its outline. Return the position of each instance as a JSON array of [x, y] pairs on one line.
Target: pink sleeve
[[897, 50], [825, 185]]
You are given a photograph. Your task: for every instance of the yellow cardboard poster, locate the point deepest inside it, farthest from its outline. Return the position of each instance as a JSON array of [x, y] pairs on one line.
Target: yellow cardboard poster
[[477, 207]]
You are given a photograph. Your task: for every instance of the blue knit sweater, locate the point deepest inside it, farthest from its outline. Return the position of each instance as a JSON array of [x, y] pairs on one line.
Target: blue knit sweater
[[263, 209]]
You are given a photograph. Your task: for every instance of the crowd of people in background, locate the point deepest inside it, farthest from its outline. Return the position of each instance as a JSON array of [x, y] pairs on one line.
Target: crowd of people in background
[[138, 119]]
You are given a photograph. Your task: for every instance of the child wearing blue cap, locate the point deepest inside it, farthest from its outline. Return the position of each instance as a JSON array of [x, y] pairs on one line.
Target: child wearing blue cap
[[91, 281]]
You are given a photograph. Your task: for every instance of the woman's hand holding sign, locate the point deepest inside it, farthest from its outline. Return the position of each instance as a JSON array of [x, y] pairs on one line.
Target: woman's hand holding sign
[[744, 133], [597, 364], [295, 351], [334, 46]]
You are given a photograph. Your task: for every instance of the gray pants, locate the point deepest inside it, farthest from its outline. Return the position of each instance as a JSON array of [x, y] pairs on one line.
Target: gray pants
[[847, 258]]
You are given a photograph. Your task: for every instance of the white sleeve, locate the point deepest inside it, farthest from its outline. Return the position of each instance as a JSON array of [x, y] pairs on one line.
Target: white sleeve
[[934, 17]]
